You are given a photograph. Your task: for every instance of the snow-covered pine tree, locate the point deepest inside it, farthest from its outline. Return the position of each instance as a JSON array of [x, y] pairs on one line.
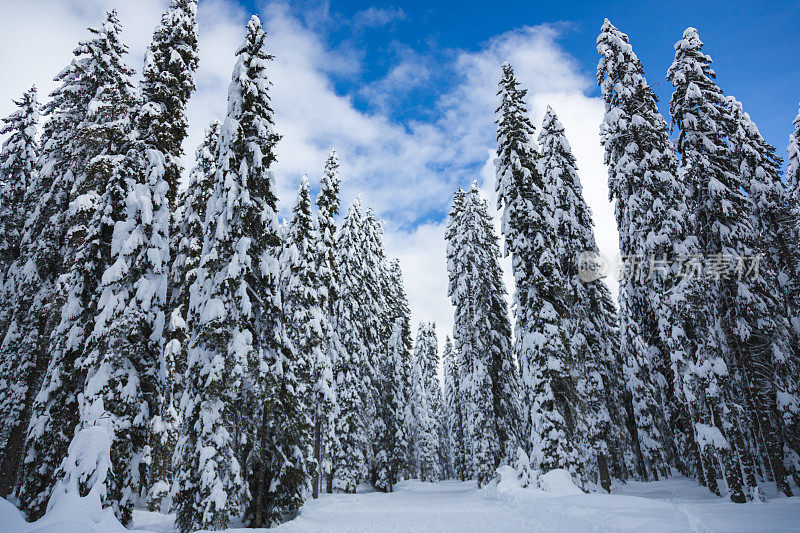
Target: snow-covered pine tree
[[18, 157], [792, 185], [454, 412], [239, 353], [476, 290], [187, 230], [38, 303], [328, 208], [97, 83], [374, 338], [187, 234], [167, 83], [655, 313], [304, 319], [503, 371], [426, 402], [397, 309], [775, 219], [539, 300], [347, 455], [19, 375], [457, 403], [390, 440], [117, 353], [618, 398], [586, 328], [133, 307], [724, 231], [392, 392]]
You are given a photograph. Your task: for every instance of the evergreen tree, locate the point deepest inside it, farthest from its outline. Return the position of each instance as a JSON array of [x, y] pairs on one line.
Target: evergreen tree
[[347, 456], [617, 396], [588, 338], [775, 219], [725, 232], [167, 84], [395, 381], [390, 426], [38, 304], [373, 330], [168, 81], [18, 157], [454, 409], [793, 194], [97, 84], [539, 300], [187, 230], [481, 328], [302, 311], [115, 355], [18, 371], [454, 371], [426, 402], [239, 354], [657, 317], [328, 204]]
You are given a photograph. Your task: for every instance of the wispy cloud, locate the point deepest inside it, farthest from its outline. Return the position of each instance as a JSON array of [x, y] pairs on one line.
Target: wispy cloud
[[377, 17]]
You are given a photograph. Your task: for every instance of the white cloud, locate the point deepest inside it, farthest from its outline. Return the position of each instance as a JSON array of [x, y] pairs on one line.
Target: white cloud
[[374, 17], [407, 170], [40, 35]]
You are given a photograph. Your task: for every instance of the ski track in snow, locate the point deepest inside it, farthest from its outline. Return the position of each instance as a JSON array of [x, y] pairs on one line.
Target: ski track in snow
[[674, 505]]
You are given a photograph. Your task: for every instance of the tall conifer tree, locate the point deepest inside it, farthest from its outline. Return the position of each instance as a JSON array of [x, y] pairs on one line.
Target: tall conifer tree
[[168, 82], [18, 157], [239, 335], [539, 300], [725, 231], [100, 79], [793, 167], [426, 402], [188, 231], [328, 208], [481, 330], [19, 369], [587, 333], [347, 456], [654, 328]]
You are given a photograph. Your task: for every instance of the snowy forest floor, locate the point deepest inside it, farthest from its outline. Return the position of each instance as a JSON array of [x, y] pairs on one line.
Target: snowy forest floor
[[677, 504], [674, 505]]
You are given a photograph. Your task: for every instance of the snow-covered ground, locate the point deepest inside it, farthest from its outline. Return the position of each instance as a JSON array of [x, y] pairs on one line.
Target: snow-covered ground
[[677, 504]]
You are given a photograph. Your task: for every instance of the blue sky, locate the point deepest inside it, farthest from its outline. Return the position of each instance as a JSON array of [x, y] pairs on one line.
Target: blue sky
[[406, 92]]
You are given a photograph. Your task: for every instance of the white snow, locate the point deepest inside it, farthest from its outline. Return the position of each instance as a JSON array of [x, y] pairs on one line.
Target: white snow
[[674, 505]]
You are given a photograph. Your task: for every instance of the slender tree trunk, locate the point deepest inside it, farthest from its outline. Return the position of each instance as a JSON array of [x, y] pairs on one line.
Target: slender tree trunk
[[602, 468], [317, 454], [634, 432], [258, 477]]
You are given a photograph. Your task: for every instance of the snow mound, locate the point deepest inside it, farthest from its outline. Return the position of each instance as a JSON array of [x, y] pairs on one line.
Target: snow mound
[[87, 464], [10, 518], [558, 483], [554, 483]]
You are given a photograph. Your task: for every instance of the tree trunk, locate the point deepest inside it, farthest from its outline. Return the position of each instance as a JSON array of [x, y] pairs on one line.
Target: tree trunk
[[602, 468], [317, 455]]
